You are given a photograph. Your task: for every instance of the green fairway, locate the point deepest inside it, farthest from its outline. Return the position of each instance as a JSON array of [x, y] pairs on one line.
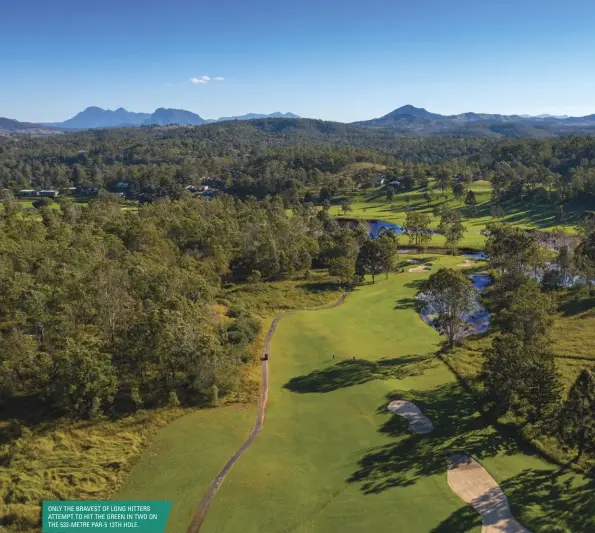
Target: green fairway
[[373, 205], [331, 458], [183, 458]]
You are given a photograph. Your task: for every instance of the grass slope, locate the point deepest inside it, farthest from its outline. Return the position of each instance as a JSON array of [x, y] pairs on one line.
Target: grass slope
[[331, 458]]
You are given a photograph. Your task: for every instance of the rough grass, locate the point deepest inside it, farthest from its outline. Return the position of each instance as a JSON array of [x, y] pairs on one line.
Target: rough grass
[[269, 298], [331, 458], [68, 460], [183, 458]]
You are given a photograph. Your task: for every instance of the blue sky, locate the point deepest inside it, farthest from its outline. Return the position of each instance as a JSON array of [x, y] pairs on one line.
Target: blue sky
[[337, 60]]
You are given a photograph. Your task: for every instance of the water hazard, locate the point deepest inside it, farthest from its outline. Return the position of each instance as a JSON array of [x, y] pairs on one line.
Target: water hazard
[[477, 321], [376, 227]]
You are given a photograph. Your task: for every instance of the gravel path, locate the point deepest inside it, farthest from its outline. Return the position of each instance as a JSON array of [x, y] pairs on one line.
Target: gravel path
[[473, 483], [200, 513], [418, 422]]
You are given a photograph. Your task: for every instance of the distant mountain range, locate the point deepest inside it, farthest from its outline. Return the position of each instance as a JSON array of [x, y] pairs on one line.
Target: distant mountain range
[[406, 120], [418, 121], [96, 117], [253, 116]]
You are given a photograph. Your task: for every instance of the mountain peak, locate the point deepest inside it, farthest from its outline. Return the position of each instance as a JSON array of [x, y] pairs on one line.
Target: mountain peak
[[407, 109], [164, 117], [412, 110]]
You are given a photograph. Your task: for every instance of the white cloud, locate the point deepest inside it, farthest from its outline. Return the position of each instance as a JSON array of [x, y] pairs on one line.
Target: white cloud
[[205, 79]]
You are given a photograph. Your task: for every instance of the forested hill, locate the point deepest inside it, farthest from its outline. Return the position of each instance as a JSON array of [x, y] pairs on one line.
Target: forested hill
[[96, 156], [280, 156]]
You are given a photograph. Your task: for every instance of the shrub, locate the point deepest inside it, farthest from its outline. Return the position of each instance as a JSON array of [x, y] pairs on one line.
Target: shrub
[[236, 311], [214, 395], [41, 202], [136, 397], [244, 330], [172, 400]]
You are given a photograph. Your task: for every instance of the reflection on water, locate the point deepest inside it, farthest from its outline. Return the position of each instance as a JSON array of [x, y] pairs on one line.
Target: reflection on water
[[378, 228], [477, 321], [375, 227], [478, 256]]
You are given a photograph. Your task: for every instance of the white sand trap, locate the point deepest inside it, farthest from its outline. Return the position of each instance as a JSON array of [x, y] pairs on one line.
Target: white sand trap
[[420, 268], [467, 263], [418, 422], [473, 483]]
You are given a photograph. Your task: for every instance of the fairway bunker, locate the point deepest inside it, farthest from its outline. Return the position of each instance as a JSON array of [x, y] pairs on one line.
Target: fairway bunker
[[418, 422], [467, 263], [472, 483], [420, 268]]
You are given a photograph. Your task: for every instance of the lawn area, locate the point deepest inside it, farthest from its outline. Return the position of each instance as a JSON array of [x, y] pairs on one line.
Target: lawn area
[[192, 449], [331, 458]]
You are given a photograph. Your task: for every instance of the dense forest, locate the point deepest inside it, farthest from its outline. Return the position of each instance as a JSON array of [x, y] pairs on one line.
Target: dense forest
[[104, 309]]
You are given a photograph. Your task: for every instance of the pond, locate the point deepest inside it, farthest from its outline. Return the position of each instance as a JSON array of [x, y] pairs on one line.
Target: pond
[[478, 256], [375, 227], [379, 227], [477, 321]]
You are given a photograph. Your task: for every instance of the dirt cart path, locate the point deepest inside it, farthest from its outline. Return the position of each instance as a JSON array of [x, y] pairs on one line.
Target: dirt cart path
[[199, 516]]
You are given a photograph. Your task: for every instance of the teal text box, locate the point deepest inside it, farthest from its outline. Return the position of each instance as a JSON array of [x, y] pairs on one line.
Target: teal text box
[[107, 516]]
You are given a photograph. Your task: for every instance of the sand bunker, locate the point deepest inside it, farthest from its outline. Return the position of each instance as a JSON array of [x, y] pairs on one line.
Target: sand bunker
[[418, 423], [467, 263], [420, 268], [473, 483]]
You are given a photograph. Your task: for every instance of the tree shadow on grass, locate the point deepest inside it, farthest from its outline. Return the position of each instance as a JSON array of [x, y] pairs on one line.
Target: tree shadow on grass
[[563, 500], [458, 428], [415, 284], [359, 371], [409, 303], [574, 305], [462, 520]]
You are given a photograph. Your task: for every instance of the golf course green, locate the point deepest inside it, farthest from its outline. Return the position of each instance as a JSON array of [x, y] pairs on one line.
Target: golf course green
[[331, 457]]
